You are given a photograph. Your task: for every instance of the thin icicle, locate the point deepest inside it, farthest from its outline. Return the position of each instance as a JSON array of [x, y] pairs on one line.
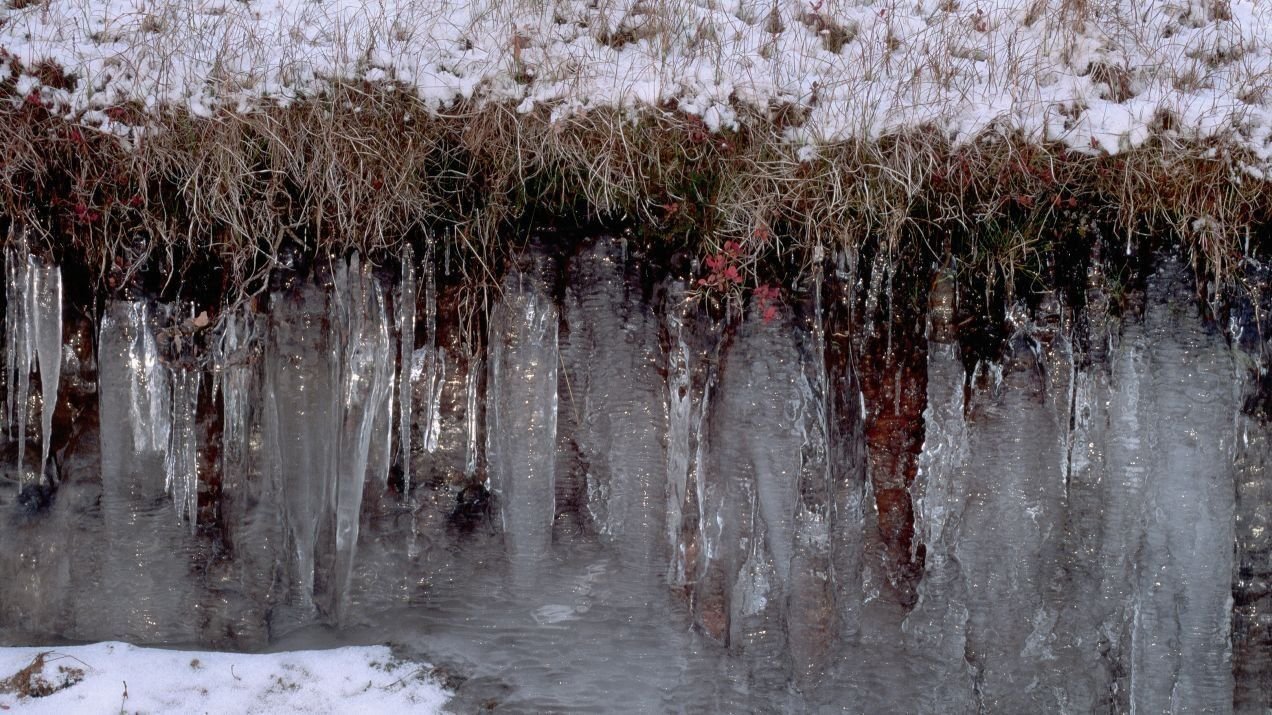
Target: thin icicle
[[181, 478], [15, 336], [471, 425], [18, 351], [405, 305], [434, 365]]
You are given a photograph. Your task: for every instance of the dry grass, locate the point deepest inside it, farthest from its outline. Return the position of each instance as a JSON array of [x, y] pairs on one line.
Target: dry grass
[[34, 680], [365, 167]]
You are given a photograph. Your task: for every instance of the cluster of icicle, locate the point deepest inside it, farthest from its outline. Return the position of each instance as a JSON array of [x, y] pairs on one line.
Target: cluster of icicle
[[327, 377], [33, 343]]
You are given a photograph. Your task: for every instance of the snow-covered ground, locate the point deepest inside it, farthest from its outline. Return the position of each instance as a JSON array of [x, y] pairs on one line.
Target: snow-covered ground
[[1099, 75], [117, 677]]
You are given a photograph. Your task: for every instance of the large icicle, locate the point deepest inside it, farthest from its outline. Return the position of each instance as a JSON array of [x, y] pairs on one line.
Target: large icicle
[[44, 307], [937, 627], [811, 589], [1180, 648], [612, 356], [33, 338], [521, 420], [145, 574], [235, 373], [752, 490], [301, 425], [19, 351], [365, 385], [681, 441], [472, 426], [1008, 533]]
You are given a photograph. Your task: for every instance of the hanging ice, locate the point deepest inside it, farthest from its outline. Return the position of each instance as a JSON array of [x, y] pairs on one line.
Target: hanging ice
[[405, 308], [45, 310], [146, 567], [181, 463], [809, 578], [329, 386], [365, 383], [429, 362], [472, 442], [33, 330], [301, 424], [235, 379], [521, 420], [611, 357], [682, 438]]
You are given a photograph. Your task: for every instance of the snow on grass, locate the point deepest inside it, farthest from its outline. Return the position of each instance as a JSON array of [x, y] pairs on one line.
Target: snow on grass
[[117, 677], [1099, 75]]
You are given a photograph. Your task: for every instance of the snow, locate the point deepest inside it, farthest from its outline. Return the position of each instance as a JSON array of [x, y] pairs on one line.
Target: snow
[[1095, 74], [120, 677]]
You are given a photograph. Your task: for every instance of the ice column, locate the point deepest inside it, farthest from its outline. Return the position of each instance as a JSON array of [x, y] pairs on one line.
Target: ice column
[[521, 419]]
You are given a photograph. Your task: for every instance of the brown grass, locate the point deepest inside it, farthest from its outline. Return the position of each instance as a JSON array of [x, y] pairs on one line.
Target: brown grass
[[363, 167]]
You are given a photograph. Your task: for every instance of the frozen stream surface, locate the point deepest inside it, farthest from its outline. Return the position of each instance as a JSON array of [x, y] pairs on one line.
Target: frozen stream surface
[[601, 499]]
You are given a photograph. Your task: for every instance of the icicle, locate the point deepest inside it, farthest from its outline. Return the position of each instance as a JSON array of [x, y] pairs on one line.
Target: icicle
[[690, 383], [472, 446], [26, 365], [19, 352], [521, 420], [810, 582], [146, 569], [181, 462], [233, 379], [45, 308], [679, 442], [15, 336], [300, 423], [151, 412], [434, 364], [29, 307], [365, 384], [405, 305]]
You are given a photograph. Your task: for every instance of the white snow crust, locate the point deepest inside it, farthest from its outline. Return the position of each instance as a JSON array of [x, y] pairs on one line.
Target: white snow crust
[[1097, 75], [118, 677]]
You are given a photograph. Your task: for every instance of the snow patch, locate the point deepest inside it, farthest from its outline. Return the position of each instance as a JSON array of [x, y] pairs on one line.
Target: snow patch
[[110, 677]]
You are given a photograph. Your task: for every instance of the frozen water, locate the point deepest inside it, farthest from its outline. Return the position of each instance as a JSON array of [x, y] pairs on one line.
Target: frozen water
[[625, 503], [405, 310], [521, 419], [615, 395]]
